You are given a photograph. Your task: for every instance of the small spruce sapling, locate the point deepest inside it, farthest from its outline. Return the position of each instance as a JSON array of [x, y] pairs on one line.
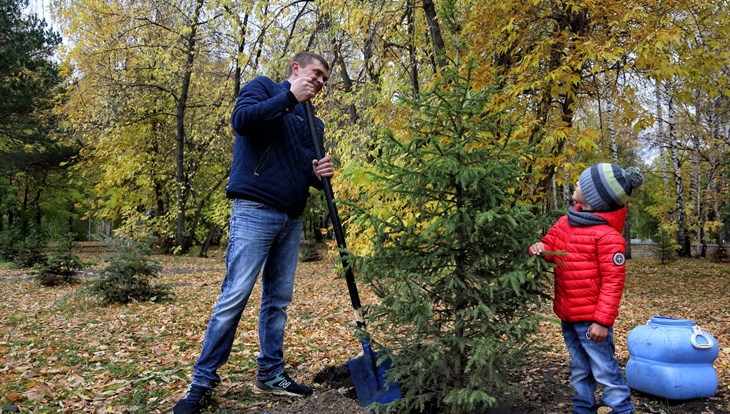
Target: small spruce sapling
[[128, 274]]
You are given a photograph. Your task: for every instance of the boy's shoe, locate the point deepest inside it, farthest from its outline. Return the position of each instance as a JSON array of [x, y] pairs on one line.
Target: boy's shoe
[[282, 384], [194, 401]]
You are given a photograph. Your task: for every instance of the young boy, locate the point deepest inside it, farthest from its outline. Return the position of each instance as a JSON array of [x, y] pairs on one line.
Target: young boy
[[589, 281]]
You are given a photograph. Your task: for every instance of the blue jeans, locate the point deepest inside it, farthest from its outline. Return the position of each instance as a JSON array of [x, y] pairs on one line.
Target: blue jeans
[[592, 363], [260, 236]]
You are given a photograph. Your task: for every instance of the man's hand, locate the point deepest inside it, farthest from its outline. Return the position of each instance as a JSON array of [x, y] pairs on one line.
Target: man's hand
[[323, 167], [303, 88], [536, 248]]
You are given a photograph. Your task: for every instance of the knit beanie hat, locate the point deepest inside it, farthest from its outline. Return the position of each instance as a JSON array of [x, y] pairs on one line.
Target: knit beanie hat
[[607, 187]]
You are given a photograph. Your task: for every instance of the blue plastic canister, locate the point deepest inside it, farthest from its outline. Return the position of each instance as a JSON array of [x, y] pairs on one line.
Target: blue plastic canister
[[672, 358]]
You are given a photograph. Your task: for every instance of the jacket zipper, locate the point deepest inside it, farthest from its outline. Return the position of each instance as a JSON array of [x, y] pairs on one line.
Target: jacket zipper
[[263, 160]]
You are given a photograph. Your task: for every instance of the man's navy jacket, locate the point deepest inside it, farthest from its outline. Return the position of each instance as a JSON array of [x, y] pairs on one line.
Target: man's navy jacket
[[273, 151]]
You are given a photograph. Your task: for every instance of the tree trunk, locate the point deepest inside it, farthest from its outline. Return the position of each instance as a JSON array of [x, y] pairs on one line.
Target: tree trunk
[[679, 206], [199, 211], [614, 156], [212, 234], [661, 139], [609, 120], [367, 53], [695, 193], [567, 194], [713, 181], [413, 63], [241, 47], [183, 184], [346, 79], [437, 40], [293, 32], [260, 40]]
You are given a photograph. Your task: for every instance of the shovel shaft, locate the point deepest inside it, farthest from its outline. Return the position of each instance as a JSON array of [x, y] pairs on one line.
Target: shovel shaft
[[369, 377], [336, 223]]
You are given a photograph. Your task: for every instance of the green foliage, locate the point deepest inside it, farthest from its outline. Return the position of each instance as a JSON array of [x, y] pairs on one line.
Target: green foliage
[[458, 292], [32, 148], [127, 276], [8, 248], [666, 246], [26, 71], [62, 266], [22, 250]]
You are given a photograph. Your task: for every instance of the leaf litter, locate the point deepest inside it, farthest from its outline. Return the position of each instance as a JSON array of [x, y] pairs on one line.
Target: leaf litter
[[62, 352]]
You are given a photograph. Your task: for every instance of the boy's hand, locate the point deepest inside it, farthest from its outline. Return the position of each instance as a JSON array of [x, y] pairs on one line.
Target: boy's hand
[[536, 248], [597, 332]]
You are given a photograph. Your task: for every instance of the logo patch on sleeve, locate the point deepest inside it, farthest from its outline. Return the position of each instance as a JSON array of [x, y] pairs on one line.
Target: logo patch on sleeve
[[619, 259]]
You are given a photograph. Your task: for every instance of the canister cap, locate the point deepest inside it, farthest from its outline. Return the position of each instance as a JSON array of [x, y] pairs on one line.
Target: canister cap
[[667, 321]]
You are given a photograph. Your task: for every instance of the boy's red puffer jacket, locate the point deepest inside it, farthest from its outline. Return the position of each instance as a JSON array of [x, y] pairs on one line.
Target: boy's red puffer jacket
[[589, 278]]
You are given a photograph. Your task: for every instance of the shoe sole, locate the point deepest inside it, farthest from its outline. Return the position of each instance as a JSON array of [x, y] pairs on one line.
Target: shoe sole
[[257, 390]]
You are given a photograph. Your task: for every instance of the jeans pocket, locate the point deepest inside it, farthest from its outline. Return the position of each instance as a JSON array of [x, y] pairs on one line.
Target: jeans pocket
[[242, 204]]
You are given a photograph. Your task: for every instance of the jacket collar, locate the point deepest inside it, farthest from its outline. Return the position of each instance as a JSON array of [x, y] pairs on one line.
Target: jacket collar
[[615, 219]]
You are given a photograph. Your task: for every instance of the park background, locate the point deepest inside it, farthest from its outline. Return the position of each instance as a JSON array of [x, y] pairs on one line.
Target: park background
[[114, 121]]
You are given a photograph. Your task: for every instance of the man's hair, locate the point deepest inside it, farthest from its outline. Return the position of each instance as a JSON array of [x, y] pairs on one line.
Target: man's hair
[[304, 58]]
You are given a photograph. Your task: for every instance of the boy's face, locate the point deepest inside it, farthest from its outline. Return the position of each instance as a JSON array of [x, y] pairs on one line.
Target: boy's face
[[580, 199]]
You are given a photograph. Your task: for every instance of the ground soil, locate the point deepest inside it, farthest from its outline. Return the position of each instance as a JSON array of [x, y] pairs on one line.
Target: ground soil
[[541, 389], [327, 402]]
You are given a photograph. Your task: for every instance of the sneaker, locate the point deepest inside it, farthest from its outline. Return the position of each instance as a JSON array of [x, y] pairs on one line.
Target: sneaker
[[194, 401], [282, 384]]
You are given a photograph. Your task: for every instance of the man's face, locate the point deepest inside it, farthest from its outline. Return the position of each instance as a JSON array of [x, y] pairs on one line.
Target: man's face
[[315, 70]]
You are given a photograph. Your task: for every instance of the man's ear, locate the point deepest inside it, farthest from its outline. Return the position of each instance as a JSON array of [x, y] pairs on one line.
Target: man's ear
[[294, 67]]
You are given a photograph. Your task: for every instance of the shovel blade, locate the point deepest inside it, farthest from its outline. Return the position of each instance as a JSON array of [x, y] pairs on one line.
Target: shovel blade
[[370, 378]]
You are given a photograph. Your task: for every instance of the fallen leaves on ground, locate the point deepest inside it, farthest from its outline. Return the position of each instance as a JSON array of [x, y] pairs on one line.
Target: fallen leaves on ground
[[60, 351]]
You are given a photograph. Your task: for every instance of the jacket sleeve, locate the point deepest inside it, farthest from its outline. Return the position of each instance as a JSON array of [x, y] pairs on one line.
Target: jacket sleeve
[[259, 102], [549, 240], [612, 268]]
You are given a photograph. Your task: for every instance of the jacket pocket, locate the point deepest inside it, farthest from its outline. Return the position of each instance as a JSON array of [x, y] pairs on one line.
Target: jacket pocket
[[262, 161]]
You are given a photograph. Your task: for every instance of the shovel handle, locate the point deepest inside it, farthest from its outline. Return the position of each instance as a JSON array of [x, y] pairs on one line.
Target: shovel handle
[[336, 223]]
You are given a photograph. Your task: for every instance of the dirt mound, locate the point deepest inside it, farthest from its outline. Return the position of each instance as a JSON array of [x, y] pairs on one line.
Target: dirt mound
[[328, 402]]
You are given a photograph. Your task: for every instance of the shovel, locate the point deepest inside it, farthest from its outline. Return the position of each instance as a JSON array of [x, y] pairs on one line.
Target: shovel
[[368, 376]]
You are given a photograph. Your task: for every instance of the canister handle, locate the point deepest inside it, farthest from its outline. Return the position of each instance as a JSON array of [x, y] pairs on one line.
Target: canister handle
[[697, 331]]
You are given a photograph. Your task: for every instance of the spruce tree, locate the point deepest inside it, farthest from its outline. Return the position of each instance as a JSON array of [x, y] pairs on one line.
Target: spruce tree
[[62, 266], [128, 275], [458, 293], [666, 246]]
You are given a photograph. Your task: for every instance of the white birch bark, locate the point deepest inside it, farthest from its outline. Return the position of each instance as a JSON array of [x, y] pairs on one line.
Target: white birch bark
[[611, 126], [567, 194], [679, 189], [660, 138], [695, 193]]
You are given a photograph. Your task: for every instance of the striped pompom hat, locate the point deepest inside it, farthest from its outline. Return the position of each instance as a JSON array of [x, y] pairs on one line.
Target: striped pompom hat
[[607, 187]]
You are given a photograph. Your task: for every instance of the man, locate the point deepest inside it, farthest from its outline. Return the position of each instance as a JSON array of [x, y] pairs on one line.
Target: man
[[273, 167]]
